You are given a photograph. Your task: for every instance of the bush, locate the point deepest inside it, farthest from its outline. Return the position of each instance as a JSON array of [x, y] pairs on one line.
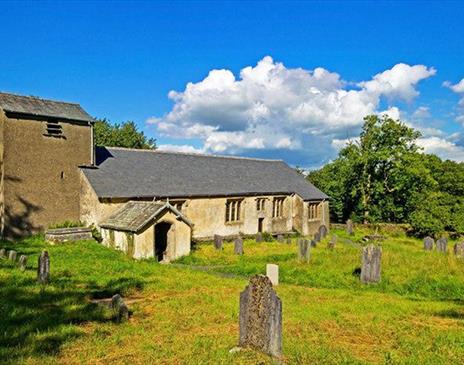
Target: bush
[[67, 224]]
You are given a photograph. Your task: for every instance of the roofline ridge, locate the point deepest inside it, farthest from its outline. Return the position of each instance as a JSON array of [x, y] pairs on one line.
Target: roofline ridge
[[39, 98], [194, 154]]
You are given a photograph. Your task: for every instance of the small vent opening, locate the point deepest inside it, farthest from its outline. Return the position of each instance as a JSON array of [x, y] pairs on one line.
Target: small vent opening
[[54, 129]]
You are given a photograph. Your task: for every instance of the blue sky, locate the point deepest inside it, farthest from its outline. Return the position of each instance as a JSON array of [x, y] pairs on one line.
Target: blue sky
[[312, 70]]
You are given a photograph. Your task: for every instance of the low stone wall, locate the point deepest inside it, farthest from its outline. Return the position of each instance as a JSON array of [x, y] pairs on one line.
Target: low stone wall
[[383, 227], [68, 234]]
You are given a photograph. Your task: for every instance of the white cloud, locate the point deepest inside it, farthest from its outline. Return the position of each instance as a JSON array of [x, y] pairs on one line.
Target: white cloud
[[270, 106], [458, 89], [446, 149], [180, 148]]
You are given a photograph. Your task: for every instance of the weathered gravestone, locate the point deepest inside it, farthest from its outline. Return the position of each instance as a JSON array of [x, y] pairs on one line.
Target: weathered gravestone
[[23, 262], [2, 253], [312, 243], [323, 231], [332, 242], [442, 244], [280, 238], [119, 308], [272, 272], [349, 227], [12, 255], [43, 271], [261, 317], [238, 246], [259, 237], [304, 251], [317, 237], [459, 249], [218, 242], [371, 267], [428, 243], [289, 240]]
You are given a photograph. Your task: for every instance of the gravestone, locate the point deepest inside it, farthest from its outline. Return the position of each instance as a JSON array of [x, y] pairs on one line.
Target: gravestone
[[289, 240], [332, 242], [43, 271], [317, 237], [272, 272], [119, 308], [261, 317], [12, 255], [349, 227], [2, 253], [304, 252], [442, 244], [428, 243], [218, 242], [280, 238], [259, 237], [23, 262], [323, 231], [459, 249], [370, 269], [238, 246], [312, 243]]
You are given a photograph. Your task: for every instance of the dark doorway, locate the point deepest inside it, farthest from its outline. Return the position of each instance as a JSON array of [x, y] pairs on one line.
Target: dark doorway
[[161, 239], [260, 225]]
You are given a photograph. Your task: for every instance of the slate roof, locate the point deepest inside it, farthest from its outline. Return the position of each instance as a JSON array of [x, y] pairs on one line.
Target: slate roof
[[135, 215], [125, 173], [37, 107]]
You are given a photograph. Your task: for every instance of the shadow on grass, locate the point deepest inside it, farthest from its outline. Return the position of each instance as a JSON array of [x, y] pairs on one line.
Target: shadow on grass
[[39, 320]]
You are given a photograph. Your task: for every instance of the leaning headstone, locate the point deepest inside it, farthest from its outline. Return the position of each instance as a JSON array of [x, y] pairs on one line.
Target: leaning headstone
[[22, 262], [261, 317], [259, 237], [43, 271], [332, 242], [428, 243], [218, 242], [119, 308], [370, 269], [272, 272], [317, 237], [442, 244], [459, 249], [12, 255], [323, 231], [238, 246], [349, 227], [2, 253], [304, 252], [280, 238]]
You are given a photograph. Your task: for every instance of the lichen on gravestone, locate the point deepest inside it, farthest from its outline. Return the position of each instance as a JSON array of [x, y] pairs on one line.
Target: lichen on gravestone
[[323, 231], [459, 249], [259, 237], [371, 264], [218, 242], [428, 243], [238, 246], [23, 262], [332, 242], [442, 245], [12, 255], [2, 253], [43, 271], [261, 317], [304, 252], [349, 227]]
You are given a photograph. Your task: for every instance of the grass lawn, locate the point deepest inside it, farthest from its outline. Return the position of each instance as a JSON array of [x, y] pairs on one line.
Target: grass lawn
[[187, 312]]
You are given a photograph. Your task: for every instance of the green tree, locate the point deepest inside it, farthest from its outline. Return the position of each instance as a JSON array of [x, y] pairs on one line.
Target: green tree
[[121, 135]]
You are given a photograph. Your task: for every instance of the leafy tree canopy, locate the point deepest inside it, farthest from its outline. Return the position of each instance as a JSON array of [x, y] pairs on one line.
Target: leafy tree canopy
[[385, 177], [121, 135]]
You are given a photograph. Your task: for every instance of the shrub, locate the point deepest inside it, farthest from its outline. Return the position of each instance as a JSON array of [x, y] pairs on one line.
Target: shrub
[[67, 224]]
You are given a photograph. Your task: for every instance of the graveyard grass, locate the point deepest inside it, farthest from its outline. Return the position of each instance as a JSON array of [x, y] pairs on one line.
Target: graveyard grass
[[187, 312]]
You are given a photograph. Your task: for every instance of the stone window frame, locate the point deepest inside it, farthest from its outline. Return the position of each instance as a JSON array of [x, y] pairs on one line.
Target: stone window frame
[[314, 211], [234, 210], [278, 207], [260, 204]]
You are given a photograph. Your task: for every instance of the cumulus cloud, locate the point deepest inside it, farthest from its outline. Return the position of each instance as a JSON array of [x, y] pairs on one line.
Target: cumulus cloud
[[272, 107], [458, 88], [185, 148], [444, 148]]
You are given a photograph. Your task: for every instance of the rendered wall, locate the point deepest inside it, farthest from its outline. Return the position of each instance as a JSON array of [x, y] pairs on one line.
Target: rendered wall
[[41, 175]]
